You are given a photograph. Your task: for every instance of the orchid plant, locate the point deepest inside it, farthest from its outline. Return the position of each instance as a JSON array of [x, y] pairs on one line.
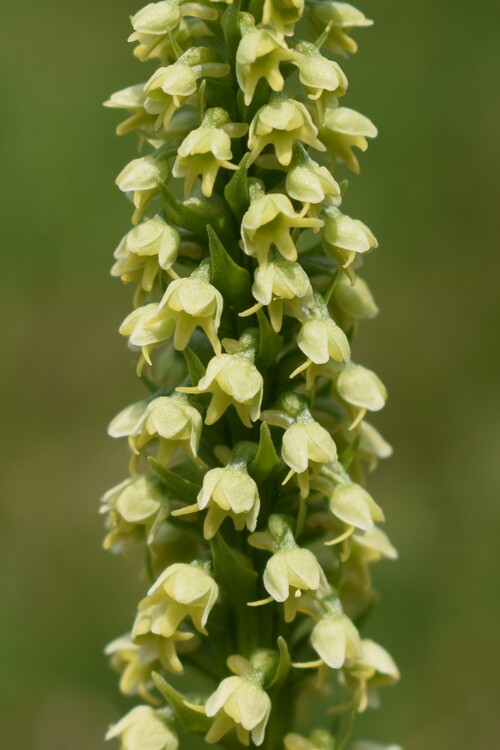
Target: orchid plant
[[246, 496]]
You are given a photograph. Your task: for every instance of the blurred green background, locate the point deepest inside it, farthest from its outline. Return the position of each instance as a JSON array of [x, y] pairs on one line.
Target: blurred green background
[[427, 74]]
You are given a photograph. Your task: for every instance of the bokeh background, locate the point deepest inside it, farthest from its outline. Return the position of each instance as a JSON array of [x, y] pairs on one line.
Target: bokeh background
[[428, 75]]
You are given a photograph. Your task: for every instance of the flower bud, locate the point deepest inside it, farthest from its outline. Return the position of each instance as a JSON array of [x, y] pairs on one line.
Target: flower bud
[[342, 130], [143, 179], [145, 728], [181, 591], [281, 124]]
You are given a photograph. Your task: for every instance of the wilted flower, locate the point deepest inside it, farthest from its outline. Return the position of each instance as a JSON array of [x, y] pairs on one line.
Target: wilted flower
[[181, 591], [342, 130], [281, 124], [143, 179]]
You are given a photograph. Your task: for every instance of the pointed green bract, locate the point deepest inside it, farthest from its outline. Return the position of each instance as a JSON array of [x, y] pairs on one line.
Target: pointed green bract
[[247, 494]]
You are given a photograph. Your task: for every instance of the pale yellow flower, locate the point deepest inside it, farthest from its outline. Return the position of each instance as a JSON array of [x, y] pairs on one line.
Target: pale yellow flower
[[232, 379], [259, 55], [181, 591], [145, 728], [344, 129], [282, 123]]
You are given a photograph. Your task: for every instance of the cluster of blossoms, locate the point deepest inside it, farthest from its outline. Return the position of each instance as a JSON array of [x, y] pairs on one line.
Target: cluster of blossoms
[[246, 493]]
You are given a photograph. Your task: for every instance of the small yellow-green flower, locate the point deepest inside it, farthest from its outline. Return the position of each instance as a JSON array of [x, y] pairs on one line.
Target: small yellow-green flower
[[361, 389], [281, 281], [345, 238], [145, 251], [181, 591], [282, 15], [354, 300], [232, 379], [308, 182], [340, 18], [320, 339], [269, 221], [143, 179], [239, 702], [135, 510], [132, 100], [169, 419], [205, 150], [281, 124], [320, 739], [291, 570], [259, 55], [227, 492], [145, 728], [374, 669], [344, 129]]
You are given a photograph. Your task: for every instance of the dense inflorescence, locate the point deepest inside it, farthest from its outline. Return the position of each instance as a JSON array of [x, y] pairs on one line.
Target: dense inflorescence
[[246, 491]]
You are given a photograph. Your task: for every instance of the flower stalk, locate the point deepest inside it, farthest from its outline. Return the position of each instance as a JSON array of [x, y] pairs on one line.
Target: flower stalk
[[246, 492]]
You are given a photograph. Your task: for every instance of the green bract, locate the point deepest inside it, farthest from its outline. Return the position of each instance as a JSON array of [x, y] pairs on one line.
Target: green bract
[[246, 496]]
